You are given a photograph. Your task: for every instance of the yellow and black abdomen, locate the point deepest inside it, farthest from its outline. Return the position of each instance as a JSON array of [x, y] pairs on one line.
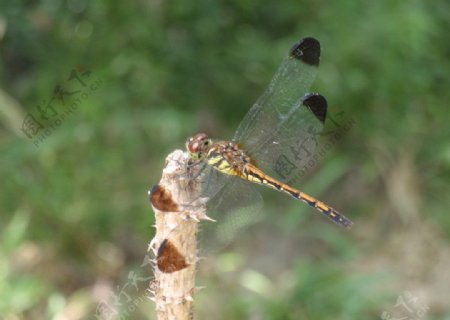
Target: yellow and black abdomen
[[253, 174]]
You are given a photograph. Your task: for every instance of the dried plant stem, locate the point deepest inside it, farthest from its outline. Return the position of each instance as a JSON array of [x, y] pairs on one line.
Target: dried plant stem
[[178, 209]]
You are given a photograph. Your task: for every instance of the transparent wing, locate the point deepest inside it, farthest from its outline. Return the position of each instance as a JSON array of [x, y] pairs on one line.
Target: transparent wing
[[280, 131], [290, 150], [236, 207]]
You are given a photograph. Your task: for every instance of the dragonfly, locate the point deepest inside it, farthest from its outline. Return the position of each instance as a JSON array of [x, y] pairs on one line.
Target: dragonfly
[[273, 142]]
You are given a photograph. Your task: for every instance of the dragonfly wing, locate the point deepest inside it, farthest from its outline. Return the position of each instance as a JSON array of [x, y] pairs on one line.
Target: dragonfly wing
[[212, 182], [289, 150], [236, 207], [291, 81], [282, 127]]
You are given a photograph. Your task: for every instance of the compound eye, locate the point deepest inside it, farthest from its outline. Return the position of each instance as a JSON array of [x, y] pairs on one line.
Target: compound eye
[[194, 146], [197, 143]]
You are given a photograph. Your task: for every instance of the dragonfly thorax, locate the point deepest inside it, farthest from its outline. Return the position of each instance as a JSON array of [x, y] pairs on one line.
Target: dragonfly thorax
[[197, 146]]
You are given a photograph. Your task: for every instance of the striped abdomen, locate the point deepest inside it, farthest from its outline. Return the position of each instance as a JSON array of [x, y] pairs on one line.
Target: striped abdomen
[[253, 174]]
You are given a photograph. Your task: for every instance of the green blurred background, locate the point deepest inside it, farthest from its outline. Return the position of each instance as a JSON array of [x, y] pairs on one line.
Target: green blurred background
[[75, 217]]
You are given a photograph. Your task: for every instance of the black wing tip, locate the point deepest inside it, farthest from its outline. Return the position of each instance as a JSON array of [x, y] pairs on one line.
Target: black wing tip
[[307, 50], [317, 104]]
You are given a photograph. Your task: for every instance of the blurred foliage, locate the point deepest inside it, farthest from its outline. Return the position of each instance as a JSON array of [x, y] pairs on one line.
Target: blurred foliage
[[75, 215]]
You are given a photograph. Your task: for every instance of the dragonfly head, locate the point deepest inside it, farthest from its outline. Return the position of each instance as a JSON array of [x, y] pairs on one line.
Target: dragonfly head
[[197, 146]]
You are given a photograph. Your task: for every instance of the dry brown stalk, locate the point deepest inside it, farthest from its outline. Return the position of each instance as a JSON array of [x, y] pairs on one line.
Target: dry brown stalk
[[178, 210]]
